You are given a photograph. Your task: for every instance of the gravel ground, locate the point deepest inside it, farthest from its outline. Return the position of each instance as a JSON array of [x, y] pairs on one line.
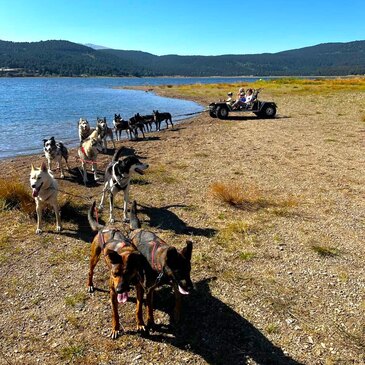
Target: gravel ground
[[278, 282]]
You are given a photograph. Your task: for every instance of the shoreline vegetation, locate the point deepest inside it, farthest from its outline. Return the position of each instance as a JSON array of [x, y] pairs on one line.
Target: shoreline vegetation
[[276, 212]]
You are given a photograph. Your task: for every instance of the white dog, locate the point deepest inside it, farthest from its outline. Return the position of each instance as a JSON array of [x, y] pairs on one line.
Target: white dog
[[84, 129], [88, 152], [44, 191]]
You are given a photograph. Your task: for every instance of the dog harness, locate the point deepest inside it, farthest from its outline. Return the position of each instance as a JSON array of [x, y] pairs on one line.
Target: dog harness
[[123, 182], [148, 245], [119, 240]]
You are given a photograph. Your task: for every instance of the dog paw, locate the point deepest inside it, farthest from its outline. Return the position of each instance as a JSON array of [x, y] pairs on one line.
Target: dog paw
[[111, 220], [90, 289], [58, 228], [115, 333], [126, 220], [101, 207], [38, 231], [62, 176], [96, 178], [141, 328]]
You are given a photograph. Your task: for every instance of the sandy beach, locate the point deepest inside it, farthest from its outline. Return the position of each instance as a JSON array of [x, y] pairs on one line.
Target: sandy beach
[[279, 271]]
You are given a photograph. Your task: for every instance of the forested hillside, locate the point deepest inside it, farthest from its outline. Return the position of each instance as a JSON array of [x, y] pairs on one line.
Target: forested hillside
[[63, 58]]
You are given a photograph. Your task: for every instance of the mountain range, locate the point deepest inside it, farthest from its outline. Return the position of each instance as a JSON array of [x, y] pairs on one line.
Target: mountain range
[[64, 58]]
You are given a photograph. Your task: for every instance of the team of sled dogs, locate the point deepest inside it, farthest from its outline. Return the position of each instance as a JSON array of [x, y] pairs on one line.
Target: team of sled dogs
[[134, 256]]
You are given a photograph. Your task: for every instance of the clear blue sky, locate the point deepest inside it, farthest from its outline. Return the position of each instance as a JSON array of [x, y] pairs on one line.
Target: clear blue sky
[[185, 27]]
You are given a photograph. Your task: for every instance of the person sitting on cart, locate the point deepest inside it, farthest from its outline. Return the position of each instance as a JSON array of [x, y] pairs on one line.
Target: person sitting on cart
[[241, 99], [230, 99]]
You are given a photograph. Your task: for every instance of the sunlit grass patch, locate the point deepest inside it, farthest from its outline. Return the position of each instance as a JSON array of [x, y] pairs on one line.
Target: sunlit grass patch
[[272, 328], [69, 353], [235, 234], [325, 251], [76, 299], [14, 195], [246, 256], [162, 174]]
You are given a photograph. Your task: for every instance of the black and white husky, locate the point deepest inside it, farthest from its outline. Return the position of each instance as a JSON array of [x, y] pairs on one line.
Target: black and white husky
[[117, 177], [55, 151]]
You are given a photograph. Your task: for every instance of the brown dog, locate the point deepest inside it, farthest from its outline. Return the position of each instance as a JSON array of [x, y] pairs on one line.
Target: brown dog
[[126, 266], [167, 265]]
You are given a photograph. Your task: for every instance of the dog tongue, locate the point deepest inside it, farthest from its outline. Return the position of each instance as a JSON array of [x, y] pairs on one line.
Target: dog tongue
[[35, 193], [182, 291], [122, 298]]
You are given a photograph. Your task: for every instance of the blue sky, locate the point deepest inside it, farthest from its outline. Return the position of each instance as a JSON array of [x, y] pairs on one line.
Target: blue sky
[[185, 27]]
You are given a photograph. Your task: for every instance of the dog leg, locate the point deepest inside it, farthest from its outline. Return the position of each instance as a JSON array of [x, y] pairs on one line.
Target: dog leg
[[115, 315], [101, 205], [125, 205], [58, 217], [95, 167], [111, 207], [94, 259], [149, 305], [139, 312], [61, 170], [177, 308], [49, 164], [83, 167], [39, 217]]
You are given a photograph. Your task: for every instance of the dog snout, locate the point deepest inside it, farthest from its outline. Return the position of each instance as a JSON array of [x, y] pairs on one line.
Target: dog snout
[[122, 288], [33, 186]]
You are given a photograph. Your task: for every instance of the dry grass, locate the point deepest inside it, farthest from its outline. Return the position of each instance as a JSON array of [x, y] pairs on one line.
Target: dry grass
[[14, 195], [249, 197], [325, 251]]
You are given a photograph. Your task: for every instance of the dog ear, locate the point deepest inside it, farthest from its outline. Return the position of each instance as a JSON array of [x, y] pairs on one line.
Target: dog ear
[[44, 141], [32, 167], [114, 257], [43, 166], [171, 256], [187, 250], [52, 138]]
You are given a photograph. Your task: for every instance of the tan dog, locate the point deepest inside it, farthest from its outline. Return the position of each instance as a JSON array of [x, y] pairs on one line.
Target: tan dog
[[88, 152], [44, 191]]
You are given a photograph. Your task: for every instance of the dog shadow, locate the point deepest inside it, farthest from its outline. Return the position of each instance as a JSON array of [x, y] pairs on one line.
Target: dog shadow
[[252, 117], [164, 219], [214, 331], [77, 215]]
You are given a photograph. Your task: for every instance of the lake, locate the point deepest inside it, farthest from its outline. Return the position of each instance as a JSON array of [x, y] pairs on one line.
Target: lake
[[32, 109]]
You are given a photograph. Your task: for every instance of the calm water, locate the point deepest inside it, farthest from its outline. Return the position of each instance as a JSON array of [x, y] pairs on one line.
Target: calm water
[[35, 108]]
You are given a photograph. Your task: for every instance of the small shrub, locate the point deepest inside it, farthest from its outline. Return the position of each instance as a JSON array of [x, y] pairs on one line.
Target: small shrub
[[70, 352], [233, 193], [272, 328], [77, 299], [234, 234], [325, 251], [246, 256], [14, 195]]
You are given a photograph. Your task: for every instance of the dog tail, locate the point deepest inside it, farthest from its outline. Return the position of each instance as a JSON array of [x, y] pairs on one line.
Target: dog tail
[[117, 154], [134, 222], [95, 226]]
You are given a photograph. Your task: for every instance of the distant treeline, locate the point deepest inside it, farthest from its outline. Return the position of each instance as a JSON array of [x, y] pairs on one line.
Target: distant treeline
[[63, 58]]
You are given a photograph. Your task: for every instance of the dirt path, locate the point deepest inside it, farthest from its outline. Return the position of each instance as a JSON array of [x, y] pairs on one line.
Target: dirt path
[[278, 281]]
